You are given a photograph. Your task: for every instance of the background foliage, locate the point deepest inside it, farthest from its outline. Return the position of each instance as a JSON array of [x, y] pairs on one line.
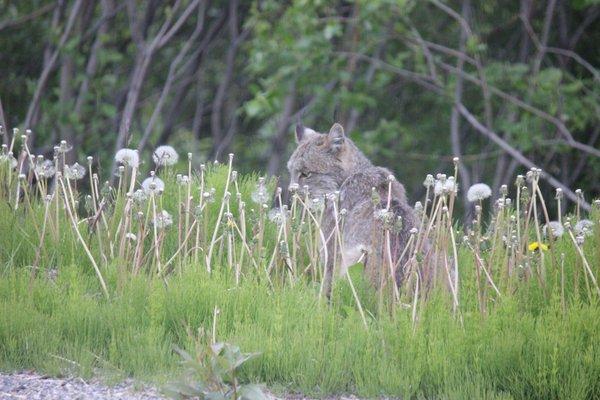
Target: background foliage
[[502, 84]]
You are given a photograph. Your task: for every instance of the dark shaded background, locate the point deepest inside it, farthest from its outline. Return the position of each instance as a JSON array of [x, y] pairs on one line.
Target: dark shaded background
[[505, 85]]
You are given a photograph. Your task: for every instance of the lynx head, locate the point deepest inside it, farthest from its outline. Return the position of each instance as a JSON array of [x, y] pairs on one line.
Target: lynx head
[[322, 161]]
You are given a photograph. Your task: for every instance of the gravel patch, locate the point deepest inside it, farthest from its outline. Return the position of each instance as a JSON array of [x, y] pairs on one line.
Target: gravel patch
[[32, 386]]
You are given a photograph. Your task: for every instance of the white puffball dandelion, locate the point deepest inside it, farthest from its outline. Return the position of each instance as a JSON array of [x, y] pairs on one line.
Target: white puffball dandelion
[[478, 192], [445, 186], [153, 185], [128, 157], [45, 169], [584, 227], [165, 156], [74, 172], [556, 229], [162, 220]]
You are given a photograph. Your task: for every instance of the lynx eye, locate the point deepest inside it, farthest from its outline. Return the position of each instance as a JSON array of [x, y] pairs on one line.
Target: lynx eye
[[305, 175]]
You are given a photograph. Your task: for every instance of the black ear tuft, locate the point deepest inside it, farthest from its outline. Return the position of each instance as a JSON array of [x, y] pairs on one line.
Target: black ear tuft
[[300, 135]]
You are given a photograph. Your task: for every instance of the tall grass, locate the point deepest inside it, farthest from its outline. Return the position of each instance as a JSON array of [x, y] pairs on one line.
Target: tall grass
[[97, 279]]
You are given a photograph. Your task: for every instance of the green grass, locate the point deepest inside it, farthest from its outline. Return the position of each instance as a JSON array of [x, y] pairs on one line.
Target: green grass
[[532, 342], [306, 346]]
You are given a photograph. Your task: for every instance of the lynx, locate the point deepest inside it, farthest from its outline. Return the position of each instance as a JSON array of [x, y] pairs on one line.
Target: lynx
[[330, 163]]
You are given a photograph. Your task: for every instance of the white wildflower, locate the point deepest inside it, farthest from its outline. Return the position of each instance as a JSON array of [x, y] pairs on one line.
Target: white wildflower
[[153, 185], [128, 157], [584, 227], [162, 220], [165, 156], [556, 229], [74, 172], [478, 192]]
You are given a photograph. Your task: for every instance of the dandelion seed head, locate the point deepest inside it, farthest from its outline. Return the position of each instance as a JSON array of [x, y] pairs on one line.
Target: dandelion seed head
[[316, 204], [478, 192], [445, 185], [559, 193], [429, 181], [183, 180], [555, 228], [162, 220], [153, 185], [45, 169], [140, 196], [260, 195], [165, 156], [128, 157], [64, 147], [277, 215], [519, 181], [131, 236], [584, 227], [74, 172], [293, 188], [418, 207]]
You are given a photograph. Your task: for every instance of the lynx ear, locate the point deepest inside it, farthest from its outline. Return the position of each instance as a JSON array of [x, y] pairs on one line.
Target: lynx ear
[[336, 136], [303, 133]]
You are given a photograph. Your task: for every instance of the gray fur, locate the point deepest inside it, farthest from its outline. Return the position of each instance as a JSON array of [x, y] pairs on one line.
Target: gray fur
[[331, 162]]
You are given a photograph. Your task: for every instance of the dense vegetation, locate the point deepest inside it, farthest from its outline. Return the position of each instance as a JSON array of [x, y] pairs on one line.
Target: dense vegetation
[[107, 283]]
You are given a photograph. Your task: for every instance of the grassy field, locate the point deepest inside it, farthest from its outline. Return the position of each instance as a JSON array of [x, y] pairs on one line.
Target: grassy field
[[91, 285]]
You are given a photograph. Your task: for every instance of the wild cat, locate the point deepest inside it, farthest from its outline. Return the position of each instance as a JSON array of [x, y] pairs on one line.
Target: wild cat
[[373, 200]]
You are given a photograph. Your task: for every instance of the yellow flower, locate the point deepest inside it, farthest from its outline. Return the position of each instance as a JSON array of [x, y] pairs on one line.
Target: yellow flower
[[533, 246]]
